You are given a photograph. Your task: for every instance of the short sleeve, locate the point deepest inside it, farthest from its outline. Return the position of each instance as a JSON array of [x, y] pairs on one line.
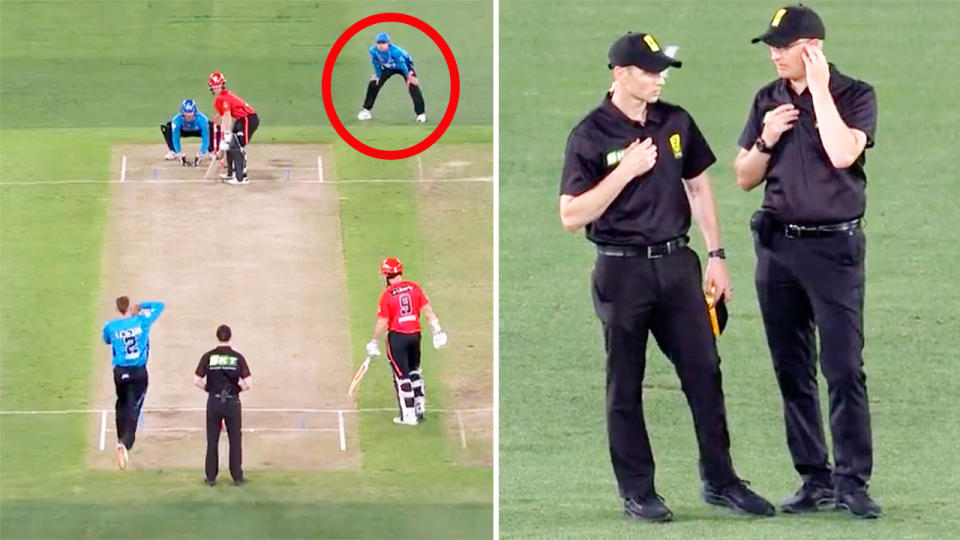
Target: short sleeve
[[383, 307], [697, 155], [222, 106], [861, 112], [580, 169], [244, 368], [424, 300], [753, 127], [203, 365]]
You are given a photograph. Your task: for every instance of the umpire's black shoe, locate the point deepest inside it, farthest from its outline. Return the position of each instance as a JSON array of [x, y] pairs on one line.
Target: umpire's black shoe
[[809, 498], [240, 481], [858, 503], [209, 482], [739, 498], [648, 508]]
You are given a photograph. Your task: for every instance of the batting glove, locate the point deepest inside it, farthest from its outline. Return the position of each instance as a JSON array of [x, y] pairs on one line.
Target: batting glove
[[439, 339], [224, 145], [373, 348], [439, 336]]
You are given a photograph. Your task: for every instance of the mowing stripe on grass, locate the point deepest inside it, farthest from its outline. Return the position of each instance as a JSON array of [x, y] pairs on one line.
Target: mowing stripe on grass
[[177, 181]]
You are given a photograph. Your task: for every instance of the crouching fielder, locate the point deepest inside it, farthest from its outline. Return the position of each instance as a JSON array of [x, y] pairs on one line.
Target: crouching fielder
[[398, 316]]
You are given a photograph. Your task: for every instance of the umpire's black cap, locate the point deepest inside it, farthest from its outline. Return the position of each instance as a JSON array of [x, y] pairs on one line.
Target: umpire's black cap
[[223, 332], [791, 23], [641, 50]]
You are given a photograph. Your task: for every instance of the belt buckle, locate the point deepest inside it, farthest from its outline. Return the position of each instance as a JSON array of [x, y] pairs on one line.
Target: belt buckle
[[791, 231], [652, 254]]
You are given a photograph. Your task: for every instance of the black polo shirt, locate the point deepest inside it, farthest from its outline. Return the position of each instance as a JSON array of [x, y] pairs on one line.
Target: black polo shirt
[[652, 208], [223, 367], [802, 186]]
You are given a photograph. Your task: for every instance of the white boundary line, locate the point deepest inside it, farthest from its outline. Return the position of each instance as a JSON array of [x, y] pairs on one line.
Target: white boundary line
[[245, 409], [474, 179], [103, 430], [343, 436]]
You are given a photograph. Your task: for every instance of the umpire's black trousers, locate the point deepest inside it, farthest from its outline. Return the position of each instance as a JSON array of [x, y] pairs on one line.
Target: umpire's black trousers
[[229, 412], [636, 295], [131, 386], [803, 284]]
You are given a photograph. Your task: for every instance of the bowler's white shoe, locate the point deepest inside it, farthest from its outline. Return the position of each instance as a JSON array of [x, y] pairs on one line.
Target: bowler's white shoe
[[364, 114], [421, 118], [122, 456], [405, 422], [170, 156]]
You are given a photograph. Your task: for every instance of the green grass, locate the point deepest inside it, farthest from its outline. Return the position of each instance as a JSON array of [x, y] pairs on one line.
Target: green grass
[[74, 83], [556, 480]]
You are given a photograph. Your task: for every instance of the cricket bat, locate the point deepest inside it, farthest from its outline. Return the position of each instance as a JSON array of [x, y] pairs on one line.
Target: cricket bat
[[358, 376], [211, 169]]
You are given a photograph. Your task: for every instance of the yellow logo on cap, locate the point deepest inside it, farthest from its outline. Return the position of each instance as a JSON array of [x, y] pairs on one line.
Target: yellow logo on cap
[[777, 16], [675, 146], [652, 43]]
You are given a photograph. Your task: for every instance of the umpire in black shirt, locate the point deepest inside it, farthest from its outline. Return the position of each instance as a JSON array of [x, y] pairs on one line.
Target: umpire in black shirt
[[629, 166], [805, 138], [223, 372]]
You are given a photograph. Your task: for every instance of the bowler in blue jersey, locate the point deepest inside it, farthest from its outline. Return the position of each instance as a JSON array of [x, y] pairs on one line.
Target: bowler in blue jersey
[[129, 340], [388, 60]]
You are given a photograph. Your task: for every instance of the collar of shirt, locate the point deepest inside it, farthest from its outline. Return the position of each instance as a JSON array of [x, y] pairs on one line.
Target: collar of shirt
[[654, 114]]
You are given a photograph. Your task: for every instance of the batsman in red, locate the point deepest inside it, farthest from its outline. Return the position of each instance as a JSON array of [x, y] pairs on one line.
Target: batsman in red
[[398, 316], [237, 121]]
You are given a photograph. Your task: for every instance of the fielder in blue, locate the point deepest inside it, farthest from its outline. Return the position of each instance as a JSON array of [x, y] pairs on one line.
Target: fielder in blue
[[388, 60], [189, 122], [129, 338]]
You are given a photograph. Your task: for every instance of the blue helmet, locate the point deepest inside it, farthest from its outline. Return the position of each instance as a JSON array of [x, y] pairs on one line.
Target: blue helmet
[[383, 37], [188, 106]]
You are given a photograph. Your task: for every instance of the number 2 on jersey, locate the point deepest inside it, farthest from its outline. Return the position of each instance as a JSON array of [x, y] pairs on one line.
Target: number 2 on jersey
[[131, 349]]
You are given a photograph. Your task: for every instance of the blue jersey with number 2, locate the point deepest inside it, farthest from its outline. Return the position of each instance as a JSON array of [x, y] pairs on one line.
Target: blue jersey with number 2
[[130, 336]]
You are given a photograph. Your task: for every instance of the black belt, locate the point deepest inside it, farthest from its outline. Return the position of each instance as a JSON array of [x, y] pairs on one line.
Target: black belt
[[225, 396], [791, 230], [652, 251]]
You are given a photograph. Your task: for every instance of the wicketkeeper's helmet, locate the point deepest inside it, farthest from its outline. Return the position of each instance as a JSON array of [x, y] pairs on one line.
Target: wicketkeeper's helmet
[[391, 266], [188, 106], [216, 79]]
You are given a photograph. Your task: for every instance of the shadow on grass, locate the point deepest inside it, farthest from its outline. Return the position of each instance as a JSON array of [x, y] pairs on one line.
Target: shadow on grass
[[52, 519]]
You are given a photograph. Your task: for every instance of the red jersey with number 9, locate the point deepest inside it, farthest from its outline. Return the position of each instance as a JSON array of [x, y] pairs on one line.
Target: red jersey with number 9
[[228, 102], [401, 304]]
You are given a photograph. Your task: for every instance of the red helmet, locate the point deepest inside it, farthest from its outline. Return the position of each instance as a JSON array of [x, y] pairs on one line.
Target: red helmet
[[216, 79], [390, 266]]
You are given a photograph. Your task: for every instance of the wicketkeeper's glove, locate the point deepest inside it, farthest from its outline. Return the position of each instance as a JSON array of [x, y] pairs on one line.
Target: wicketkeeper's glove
[[373, 348], [439, 336]]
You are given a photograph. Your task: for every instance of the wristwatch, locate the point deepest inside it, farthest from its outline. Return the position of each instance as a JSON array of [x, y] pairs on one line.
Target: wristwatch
[[718, 253], [760, 145]]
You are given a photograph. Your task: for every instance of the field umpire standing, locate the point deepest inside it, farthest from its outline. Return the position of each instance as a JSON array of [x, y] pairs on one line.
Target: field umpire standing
[[628, 166], [223, 372], [805, 138]]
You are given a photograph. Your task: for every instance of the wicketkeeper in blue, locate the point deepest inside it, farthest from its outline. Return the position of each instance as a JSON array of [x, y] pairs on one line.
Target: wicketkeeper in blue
[[129, 338], [189, 122], [388, 60]]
